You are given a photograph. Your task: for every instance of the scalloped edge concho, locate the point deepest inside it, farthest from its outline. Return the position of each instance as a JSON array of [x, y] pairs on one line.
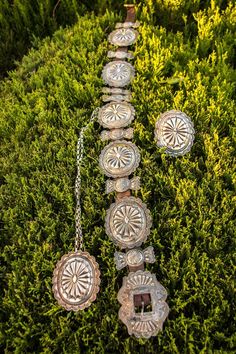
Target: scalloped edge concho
[[125, 34], [106, 159], [177, 142], [94, 278], [110, 117], [146, 223], [118, 73]]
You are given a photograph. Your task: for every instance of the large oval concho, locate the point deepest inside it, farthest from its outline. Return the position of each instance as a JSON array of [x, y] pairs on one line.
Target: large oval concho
[[76, 280], [128, 222], [142, 324], [119, 159]]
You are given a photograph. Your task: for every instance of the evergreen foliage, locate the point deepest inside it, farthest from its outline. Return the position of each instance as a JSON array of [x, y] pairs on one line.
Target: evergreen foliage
[[186, 64], [24, 22]]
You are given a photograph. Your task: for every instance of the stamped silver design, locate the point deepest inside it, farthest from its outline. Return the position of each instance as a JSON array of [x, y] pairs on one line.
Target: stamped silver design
[[122, 184], [116, 91], [123, 37], [128, 222], [76, 280], [116, 134], [127, 24], [134, 257], [119, 54], [116, 115], [174, 131], [118, 73], [120, 158], [116, 98], [142, 324]]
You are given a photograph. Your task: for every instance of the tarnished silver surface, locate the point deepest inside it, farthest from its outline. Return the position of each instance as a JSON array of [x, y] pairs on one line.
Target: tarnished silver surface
[[122, 184], [116, 91], [142, 324], [116, 134], [76, 280], [128, 222], [127, 24], [119, 54], [174, 131], [122, 37], [134, 257], [120, 158], [116, 115], [117, 98], [118, 73]]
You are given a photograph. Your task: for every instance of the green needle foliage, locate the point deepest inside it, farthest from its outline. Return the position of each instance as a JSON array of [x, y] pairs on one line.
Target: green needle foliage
[[184, 59]]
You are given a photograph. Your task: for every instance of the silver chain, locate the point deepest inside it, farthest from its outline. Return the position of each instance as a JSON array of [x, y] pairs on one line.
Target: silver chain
[[79, 157]]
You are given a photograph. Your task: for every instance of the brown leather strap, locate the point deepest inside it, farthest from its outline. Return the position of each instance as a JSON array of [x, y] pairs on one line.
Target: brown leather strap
[[130, 13], [142, 298]]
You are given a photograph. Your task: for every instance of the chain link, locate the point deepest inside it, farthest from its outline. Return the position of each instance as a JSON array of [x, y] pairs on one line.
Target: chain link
[[79, 158]]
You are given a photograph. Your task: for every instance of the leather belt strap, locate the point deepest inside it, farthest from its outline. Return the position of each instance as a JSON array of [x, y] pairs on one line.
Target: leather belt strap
[[130, 17]]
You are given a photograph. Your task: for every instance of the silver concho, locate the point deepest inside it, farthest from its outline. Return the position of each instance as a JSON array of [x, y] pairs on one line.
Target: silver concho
[[116, 134], [122, 184], [76, 280], [116, 98], [116, 115], [142, 324], [116, 91], [127, 24], [123, 37], [134, 257], [174, 130], [118, 73], [120, 158], [119, 54], [128, 222]]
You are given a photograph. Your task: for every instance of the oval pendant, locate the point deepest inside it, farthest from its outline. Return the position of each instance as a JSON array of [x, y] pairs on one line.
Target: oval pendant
[[76, 280], [128, 222], [119, 159]]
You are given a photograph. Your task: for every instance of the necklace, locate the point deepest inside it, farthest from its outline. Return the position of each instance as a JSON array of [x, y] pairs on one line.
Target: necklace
[[76, 277]]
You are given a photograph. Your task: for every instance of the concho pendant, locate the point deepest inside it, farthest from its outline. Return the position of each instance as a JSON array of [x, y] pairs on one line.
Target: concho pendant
[[174, 130], [76, 280], [119, 159], [118, 73], [128, 222], [116, 115], [123, 37], [145, 323]]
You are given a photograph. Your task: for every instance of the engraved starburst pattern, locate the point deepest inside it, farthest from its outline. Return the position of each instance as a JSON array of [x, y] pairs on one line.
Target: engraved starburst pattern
[[174, 130], [119, 159], [118, 73], [128, 222], [116, 115], [76, 280], [123, 37]]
